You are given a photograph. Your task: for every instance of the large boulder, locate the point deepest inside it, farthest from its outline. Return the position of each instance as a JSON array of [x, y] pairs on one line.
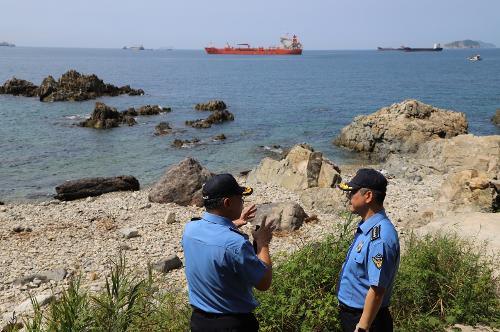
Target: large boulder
[[287, 216], [479, 227], [302, 168], [18, 87], [469, 166], [469, 191], [181, 184], [106, 117], [214, 118], [400, 128], [324, 200], [463, 152], [212, 105], [88, 187], [496, 118]]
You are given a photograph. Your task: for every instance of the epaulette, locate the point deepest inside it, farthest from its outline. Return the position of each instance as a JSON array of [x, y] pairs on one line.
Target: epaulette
[[375, 233], [196, 218]]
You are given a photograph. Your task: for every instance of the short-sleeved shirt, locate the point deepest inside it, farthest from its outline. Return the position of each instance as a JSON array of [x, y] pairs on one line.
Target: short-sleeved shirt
[[372, 260], [221, 266]]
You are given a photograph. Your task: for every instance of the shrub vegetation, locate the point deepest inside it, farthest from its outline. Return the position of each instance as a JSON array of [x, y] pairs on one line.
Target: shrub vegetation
[[442, 280]]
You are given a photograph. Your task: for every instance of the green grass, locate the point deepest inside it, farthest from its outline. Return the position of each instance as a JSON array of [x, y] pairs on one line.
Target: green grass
[[442, 280]]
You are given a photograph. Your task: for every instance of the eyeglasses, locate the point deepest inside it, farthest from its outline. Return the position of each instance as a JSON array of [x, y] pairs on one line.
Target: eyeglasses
[[351, 193]]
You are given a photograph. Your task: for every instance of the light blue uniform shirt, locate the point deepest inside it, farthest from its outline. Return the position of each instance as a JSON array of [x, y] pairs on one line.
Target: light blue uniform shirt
[[372, 260], [221, 266]]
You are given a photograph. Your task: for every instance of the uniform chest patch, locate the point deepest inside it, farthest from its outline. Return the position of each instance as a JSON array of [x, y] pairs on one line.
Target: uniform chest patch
[[377, 260]]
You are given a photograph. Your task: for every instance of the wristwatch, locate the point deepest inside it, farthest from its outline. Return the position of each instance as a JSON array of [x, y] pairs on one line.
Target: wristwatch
[[360, 329]]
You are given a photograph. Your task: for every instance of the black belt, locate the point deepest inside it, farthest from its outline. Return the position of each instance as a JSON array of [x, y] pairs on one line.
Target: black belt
[[346, 308], [218, 315]]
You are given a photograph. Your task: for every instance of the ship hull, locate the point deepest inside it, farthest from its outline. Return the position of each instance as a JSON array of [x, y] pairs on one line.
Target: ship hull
[[410, 49], [253, 51]]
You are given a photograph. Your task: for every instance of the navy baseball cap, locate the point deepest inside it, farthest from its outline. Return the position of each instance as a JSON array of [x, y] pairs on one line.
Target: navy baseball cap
[[366, 178], [224, 185]]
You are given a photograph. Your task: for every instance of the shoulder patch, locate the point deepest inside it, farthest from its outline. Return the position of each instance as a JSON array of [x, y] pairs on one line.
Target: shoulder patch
[[377, 260], [375, 232]]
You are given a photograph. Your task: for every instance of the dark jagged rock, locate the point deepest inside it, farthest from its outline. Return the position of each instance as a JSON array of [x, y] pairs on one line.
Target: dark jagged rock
[[48, 87], [75, 189], [212, 105], [214, 118], [152, 110], [130, 112], [177, 143], [496, 118], [220, 137], [163, 128], [181, 184], [18, 87], [71, 86], [105, 117]]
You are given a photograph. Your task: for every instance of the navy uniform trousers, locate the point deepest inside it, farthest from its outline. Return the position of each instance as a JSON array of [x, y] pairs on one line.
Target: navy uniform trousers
[[349, 318], [207, 322]]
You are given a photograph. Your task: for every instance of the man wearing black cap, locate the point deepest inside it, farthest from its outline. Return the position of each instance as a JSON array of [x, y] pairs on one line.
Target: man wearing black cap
[[367, 276], [222, 266]]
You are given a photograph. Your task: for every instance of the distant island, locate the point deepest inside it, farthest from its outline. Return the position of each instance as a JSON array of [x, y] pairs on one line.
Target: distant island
[[7, 44], [467, 43]]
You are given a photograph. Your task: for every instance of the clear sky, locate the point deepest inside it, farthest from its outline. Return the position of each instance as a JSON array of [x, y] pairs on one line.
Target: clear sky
[[192, 24]]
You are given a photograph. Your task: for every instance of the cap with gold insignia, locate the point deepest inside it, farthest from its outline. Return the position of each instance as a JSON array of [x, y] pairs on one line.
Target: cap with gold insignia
[[223, 185], [366, 178]]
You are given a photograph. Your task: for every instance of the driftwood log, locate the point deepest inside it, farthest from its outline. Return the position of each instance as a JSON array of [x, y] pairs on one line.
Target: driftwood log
[[87, 187]]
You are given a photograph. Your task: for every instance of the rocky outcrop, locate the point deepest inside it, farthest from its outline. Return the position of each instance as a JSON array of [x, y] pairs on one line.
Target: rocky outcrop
[[71, 86], [302, 168], [220, 137], [181, 184], [400, 128], [163, 128], [287, 216], [212, 105], [88, 187], [153, 110], [18, 87], [470, 166], [469, 191], [106, 117], [496, 118], [214, 118], [462, 152], [324, 200], [185, 143]]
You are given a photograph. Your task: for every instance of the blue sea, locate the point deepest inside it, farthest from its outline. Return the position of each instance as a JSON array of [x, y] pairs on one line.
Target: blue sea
[[276, 100]]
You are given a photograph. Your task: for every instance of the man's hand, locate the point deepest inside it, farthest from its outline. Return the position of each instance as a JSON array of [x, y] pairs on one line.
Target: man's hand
[[264, 234], [247, 214]]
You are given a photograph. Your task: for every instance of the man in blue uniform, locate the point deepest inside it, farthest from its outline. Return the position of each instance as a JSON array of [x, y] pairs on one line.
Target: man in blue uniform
[[222, 266], [367, 276]]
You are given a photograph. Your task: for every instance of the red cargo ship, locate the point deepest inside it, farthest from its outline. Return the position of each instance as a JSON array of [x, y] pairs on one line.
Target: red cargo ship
[[290, 46]]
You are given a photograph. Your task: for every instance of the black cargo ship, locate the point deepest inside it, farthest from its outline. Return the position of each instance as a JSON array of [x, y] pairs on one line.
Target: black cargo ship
[[436, 48]]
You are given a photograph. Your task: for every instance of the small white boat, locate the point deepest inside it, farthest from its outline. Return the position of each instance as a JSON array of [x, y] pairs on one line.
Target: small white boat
[[474, 58]]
